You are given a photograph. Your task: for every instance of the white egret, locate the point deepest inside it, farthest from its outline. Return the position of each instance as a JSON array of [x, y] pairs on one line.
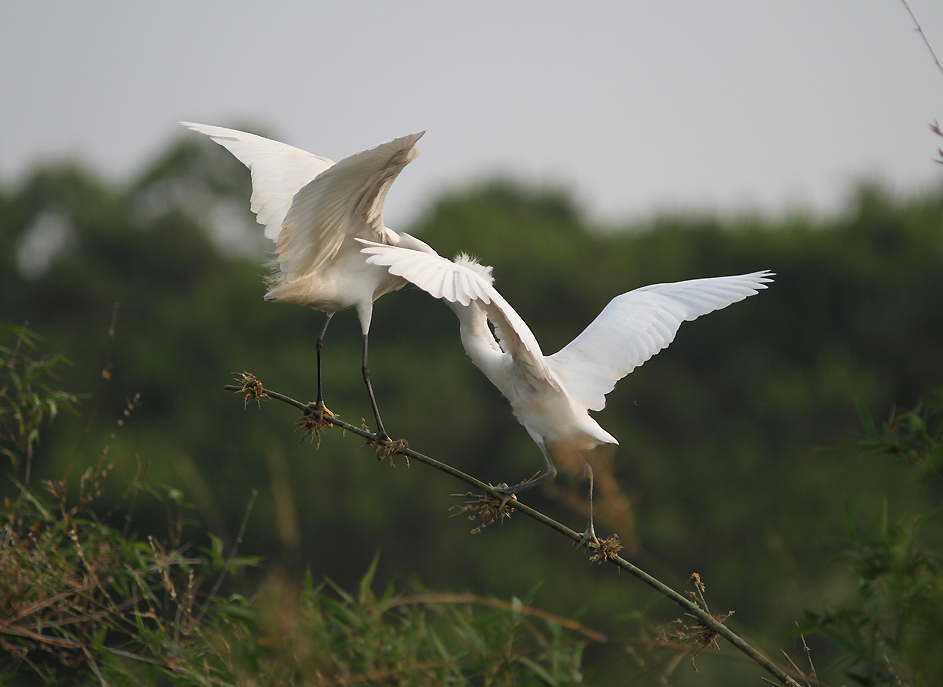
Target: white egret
[[552, 395], [313, 210]]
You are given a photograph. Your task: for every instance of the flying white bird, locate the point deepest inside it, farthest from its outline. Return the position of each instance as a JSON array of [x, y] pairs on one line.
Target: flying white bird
[[313, 210], [552, 395]]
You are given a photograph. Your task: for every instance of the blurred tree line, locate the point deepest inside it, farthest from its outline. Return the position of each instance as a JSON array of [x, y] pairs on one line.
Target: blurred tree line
[[723, 463]]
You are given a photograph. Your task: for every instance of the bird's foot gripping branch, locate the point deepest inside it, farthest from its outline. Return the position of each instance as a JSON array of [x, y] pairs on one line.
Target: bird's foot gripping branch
[[387, 449], [312, 423]]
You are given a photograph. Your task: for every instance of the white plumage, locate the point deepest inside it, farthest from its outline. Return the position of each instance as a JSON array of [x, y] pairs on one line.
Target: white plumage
[[551, 395], [314, 209]]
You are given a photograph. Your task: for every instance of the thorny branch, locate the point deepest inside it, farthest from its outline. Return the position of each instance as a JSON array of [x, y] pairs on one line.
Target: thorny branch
[[926, 41], [935, 127], [252, 389]]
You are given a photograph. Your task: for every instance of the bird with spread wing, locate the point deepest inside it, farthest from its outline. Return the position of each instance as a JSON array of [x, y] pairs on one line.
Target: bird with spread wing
[[314, 209], [551, 396]]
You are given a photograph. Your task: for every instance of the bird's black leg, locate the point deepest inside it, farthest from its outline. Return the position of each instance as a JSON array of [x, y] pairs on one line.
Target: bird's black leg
[[381, 431], [320, 347]]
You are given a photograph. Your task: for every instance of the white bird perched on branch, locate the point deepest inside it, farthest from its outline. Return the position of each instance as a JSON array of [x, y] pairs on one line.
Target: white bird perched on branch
[[313, 210], [552, 395]]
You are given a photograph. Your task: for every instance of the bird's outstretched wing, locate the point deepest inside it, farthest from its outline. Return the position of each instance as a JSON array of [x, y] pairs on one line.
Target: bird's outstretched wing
[[462, 282], [635, 326], [347, 200], [279, 171]]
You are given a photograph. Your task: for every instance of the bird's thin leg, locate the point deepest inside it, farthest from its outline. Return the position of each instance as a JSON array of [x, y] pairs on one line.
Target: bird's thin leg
[[531, 483], [381, 431], [589, 535], [365, 312], [320, 347]]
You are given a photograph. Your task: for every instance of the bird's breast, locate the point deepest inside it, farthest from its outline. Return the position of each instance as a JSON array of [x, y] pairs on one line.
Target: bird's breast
[[338, 286]]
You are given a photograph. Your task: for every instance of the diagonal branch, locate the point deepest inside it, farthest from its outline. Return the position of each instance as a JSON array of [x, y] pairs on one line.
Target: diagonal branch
[[926, 41], [253, 389]]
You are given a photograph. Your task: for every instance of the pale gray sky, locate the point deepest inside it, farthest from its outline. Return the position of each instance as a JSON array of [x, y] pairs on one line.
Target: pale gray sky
[[638, 107]]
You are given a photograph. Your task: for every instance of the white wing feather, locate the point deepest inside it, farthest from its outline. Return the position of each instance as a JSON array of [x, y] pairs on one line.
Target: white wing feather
[[346, 200], [278, 171], [457, 283], [635, 326]]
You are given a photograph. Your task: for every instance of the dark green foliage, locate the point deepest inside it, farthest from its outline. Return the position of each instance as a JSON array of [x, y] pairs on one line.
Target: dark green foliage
[[84, 602], [891, 630], [392, 639], [27, 402]]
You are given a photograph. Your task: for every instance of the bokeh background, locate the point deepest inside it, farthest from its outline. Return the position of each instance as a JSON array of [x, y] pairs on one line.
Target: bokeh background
[[582, 151], [633, 107]]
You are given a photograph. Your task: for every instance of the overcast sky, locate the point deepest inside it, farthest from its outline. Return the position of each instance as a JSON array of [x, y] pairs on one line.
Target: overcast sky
[[636, 106]]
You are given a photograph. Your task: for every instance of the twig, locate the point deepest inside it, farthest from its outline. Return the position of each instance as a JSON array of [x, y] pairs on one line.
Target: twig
[[138, 486], [72, 644], [10, 363], [935, 128], [105, 378], [9, 369], [16, 347], [232, 554], [702, 616], [923, 36], [94, 666]]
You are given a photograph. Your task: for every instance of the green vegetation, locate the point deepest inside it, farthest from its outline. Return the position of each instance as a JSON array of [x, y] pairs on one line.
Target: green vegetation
[[889, 631], [720, 468], [83, 601]]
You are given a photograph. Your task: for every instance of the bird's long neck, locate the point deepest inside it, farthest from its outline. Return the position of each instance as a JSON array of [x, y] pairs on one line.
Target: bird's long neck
[[478, 339]]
